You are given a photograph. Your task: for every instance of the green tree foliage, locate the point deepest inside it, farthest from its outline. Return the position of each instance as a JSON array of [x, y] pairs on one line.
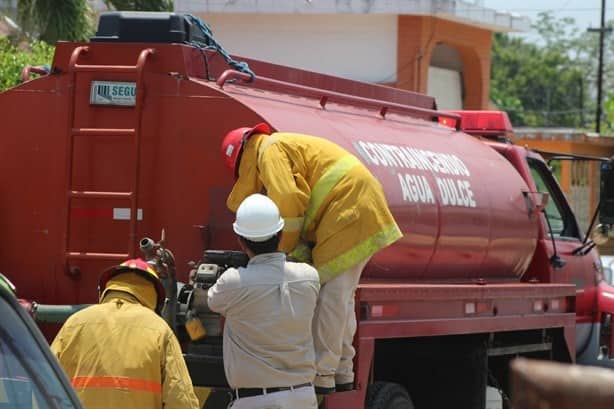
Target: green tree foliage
[[548, 83], [608, 108], [52, 20], [13, 59], [71, 20]]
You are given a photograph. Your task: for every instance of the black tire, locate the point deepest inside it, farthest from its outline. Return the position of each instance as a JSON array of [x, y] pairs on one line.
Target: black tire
[[387, 395]]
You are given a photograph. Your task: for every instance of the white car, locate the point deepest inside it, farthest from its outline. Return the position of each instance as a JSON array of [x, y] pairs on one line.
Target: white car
[[608, 268]]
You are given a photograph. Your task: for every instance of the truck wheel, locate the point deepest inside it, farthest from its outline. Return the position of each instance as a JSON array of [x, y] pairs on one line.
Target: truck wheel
[[387, 395]]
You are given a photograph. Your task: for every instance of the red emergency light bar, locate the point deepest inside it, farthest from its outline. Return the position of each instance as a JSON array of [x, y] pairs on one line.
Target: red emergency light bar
[[483, 123]]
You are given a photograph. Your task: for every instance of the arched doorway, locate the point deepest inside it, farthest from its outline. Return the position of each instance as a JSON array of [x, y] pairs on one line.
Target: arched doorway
[[445, 77]]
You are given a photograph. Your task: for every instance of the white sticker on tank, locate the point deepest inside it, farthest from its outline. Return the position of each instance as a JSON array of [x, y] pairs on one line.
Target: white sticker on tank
[[393, 156], [113, 93], [452, 177], [123, 213]]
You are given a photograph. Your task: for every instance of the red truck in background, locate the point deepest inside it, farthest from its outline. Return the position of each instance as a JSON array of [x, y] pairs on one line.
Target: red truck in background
[[121, 140]]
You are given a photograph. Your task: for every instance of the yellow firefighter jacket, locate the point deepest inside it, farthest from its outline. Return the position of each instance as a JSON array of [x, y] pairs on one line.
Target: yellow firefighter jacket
[[329, 200], [121, 354]]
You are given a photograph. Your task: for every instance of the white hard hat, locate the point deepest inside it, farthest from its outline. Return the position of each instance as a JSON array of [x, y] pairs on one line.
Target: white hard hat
[[257, 218]]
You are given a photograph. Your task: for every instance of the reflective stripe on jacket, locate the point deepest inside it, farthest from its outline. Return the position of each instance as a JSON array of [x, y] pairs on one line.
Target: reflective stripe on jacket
[[326, 196], [120, 354]]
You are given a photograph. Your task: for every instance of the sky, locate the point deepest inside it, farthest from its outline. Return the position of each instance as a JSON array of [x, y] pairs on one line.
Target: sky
[[587, 13]]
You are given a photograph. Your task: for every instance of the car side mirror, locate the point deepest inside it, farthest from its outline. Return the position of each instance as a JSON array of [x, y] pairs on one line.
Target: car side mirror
[[536, 202]]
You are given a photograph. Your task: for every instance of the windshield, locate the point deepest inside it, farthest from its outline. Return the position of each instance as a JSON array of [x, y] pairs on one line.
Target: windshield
[[27, 380]]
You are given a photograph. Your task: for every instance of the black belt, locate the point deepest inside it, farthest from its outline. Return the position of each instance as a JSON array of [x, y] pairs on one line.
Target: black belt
[[247, 392]]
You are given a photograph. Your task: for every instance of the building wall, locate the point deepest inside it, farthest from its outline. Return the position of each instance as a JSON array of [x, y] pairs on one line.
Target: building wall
[[359, 47], [418, 36]]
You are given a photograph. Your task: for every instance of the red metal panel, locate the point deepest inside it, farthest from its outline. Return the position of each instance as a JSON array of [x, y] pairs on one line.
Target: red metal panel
[[469, 308], [394, 290], [33, 118], [420, 328]]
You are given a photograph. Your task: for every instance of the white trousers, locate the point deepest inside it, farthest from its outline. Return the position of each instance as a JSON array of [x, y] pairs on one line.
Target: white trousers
[[334, 326], [302, 398]]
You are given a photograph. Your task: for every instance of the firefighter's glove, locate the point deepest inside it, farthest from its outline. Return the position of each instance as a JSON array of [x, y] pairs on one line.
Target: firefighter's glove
[[301, 253]]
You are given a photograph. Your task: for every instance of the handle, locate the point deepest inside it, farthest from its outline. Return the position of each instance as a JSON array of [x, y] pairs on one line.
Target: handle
[[324, 96], [36, 69]]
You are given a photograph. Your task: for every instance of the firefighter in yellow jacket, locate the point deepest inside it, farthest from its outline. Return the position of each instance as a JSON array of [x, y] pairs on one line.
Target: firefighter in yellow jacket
[[120, 353], [336, 217]]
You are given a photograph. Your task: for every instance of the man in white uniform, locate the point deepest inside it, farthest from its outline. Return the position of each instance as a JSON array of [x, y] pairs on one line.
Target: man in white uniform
[[269, 356]]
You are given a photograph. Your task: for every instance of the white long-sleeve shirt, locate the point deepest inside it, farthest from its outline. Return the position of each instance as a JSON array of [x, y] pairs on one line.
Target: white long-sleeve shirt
[[269, 306]]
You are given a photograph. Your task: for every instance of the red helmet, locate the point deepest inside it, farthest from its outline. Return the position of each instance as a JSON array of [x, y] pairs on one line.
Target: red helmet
[[234, 143], [140, 267]]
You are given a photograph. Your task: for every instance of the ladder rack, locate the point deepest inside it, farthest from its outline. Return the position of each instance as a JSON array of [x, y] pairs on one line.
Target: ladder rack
[[73, 131]]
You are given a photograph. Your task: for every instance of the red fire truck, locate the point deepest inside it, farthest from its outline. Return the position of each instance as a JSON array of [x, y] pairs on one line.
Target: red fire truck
[[121, 139]]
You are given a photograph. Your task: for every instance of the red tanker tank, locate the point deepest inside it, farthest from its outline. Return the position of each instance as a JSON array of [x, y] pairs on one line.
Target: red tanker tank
[[459, 203], [118, 130]]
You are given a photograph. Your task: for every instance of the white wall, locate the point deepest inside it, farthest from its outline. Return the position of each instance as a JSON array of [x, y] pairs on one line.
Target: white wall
[[360, 47], [446, 86]]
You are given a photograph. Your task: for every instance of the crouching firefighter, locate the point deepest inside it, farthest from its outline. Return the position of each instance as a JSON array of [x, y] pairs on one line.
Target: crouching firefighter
[[121, 353], [336, 217], [269, 356]]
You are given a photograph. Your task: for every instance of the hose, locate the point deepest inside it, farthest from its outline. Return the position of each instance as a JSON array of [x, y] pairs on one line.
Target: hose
[[47, 313]]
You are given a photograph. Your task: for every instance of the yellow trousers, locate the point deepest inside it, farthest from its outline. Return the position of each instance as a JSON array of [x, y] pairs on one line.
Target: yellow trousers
[[334, 326]]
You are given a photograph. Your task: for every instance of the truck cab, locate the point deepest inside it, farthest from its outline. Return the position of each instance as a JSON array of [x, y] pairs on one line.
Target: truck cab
[[564, 253]]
